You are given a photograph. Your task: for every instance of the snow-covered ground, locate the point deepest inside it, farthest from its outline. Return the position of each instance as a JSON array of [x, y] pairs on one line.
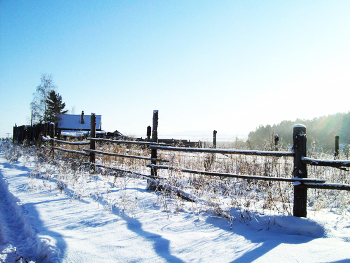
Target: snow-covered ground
[[43, 219]]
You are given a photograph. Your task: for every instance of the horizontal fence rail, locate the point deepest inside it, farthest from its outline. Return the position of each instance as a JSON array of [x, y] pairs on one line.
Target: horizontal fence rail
[[64, 142], [71, 151], [70, 143], [255, 177], [119, 170], [330, 163], [125, 142], [344, 187], [222, 151], [125, 156]]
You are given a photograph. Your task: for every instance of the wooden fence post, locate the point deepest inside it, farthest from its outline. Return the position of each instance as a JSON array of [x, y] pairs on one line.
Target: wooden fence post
[[299, 171], [92, 142], [15, 134], [149, 132], [214, 139], [154, 139], [276, 138], [151, 185], [336, 147], [52, 136]]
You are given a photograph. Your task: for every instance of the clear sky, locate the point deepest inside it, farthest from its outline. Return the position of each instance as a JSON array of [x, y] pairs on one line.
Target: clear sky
[[205, 65]]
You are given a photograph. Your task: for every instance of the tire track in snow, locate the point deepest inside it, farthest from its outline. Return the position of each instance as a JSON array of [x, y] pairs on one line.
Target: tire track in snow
[[17, 237]]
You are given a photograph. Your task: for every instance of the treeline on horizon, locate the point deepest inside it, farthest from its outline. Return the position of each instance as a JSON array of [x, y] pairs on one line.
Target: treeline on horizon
[[320, 133]]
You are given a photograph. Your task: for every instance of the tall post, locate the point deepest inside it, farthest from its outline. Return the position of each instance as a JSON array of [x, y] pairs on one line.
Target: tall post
[[214, 139], [149, 132], [14, 136], [336, 147], [52, 136], [299, 171], [59, 134], [151, 185], [277, 138], [92, 142], [155, 140]]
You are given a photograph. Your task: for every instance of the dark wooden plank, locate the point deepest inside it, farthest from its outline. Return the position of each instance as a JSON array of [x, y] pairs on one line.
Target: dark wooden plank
[[71, 151], [223, 151], [124, 155], [255, 177], [345, 187], [330, 163], [299, 171]]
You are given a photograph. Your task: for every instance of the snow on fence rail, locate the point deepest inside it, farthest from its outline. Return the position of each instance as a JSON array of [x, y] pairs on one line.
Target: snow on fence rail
[[125, 155], [300, 179], [64, 142], [345, 187], [71, 151], [70, 143], [125, 142], [249, 177], [222, 151], [330, 163]]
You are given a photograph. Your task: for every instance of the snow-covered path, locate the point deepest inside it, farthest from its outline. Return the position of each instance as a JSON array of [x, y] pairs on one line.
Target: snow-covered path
[[17, 235], [46, 225]]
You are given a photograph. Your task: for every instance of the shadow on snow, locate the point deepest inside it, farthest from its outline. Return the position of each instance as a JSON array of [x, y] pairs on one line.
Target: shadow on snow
[[36, 223], [268, 235]]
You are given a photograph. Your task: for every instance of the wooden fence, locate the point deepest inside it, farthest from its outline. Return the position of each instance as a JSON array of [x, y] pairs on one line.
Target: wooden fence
[[32, 133], [300, 161]]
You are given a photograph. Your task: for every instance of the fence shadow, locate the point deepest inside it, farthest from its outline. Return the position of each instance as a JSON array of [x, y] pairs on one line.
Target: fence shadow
[[160, 244], [270, 235], [39, 226]]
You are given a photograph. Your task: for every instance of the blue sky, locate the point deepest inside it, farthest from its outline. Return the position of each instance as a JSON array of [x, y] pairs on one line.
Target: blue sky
[[205, 65]]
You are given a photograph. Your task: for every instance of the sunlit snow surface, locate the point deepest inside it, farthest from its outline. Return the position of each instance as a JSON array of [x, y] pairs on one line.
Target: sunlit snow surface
[[40, 223]]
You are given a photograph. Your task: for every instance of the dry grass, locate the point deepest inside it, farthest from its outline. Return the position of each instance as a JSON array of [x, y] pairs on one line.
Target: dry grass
[[219, 194]]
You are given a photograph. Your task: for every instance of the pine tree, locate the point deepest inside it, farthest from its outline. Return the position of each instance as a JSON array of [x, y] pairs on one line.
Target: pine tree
[[54, 106]]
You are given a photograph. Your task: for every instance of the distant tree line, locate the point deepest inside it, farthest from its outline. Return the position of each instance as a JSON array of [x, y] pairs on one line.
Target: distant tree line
[[320, 131]]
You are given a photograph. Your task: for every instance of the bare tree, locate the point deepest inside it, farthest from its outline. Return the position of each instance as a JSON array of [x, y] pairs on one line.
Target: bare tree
[[39, 104]]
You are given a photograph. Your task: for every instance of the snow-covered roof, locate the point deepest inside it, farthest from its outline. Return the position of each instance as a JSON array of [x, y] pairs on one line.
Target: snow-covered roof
[[73, 122], [77, 134]]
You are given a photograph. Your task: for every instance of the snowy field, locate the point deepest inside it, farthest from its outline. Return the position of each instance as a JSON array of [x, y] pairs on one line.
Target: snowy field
[[44, 218]]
